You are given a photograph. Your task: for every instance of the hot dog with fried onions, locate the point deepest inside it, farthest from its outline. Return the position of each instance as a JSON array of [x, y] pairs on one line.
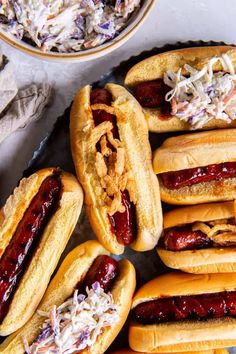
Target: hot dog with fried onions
[[112, 156], [37, 222], [200, 238]]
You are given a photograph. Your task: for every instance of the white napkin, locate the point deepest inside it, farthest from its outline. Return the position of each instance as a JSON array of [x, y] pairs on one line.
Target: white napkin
[[8, 88], [18, 108]]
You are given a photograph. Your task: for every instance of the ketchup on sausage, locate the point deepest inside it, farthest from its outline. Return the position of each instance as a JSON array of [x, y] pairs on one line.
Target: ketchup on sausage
[[123, 225], [18, 253], [199, 307], [189, 177]]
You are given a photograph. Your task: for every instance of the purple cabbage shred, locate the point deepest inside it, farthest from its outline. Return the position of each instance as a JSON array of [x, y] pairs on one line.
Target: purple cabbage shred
[[191, 118], [44, 334], [105, 25], [96, 286], [81, 297], [84, 336]]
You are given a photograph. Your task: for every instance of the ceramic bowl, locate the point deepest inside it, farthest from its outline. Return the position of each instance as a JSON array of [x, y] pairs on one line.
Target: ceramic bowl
[[135, 21]]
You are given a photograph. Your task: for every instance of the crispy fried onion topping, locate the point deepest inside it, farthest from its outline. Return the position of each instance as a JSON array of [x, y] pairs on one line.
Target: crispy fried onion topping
[[111, 165], [221, 232]]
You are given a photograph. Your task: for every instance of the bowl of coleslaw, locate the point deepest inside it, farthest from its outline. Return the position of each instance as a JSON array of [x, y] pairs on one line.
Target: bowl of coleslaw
[[70, 30]]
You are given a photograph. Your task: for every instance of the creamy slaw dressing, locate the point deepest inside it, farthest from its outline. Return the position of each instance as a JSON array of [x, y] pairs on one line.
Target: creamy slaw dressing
[[202, 95], [65, 25], [76, 324]]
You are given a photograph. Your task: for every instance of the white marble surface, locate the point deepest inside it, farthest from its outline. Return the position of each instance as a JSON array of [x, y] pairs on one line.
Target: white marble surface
[[170, 21]]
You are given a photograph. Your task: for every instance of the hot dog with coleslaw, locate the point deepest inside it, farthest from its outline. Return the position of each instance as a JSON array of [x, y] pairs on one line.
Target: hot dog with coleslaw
[[187, 89]]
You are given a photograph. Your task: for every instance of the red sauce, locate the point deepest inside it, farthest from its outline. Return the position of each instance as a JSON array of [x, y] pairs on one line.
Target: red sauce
[[189, 177], [183, 238], [18, 254], [151, 94], [198, 307], [123, 225], [102, 96]]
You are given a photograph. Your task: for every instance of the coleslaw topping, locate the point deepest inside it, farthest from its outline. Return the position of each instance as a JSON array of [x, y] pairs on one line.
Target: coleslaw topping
[[65, 25], [202, 95], [76, 324]]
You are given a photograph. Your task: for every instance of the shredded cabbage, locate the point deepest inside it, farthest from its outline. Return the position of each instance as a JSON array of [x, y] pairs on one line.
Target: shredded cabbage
[[76, 324], [65, 25], [202, 95]]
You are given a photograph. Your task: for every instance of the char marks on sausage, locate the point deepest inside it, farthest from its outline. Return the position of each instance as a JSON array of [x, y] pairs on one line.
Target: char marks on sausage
[[184, 238], [198, 307], [19, 252], [104, 270], [151, 94]]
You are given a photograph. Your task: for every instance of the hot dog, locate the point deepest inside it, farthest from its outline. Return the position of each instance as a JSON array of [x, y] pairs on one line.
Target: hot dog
[[183, 312], [197, 168], [187, 89], [104, 295], [200, 238], [123, 225], [114, 167], [33, 237]]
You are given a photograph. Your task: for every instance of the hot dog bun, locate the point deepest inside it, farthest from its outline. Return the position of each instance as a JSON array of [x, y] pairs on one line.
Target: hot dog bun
[[209, 260], [52, 243], [212, 351], [202, 212], [130, 120], [73, 270], [183, 335], [154, 67], [195, 150]]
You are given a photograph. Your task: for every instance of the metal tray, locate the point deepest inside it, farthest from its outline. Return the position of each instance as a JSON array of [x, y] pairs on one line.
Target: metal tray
[[54, 150]]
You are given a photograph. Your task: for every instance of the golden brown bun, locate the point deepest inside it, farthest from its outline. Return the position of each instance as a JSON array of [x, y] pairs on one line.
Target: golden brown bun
[[213, 191], [202, 212], [134, 136], [53, 241], [212, 351], [157, 125], [210, 260], [176, 337], [72, 271], [178, 284], [154, 68], [185, 335], [194, 150]]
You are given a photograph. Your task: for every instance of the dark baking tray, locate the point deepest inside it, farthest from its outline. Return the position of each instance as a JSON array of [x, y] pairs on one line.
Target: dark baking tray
[[54, 150]]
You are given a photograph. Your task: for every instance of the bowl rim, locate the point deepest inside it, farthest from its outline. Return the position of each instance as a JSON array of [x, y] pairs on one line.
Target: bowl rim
[[90, 53]]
